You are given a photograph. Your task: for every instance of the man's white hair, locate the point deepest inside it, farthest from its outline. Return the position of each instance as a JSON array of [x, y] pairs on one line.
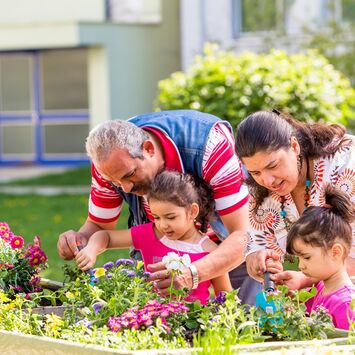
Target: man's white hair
[[115, 134]]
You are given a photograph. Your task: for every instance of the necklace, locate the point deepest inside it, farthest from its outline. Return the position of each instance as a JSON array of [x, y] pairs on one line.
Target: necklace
[[306, 198]]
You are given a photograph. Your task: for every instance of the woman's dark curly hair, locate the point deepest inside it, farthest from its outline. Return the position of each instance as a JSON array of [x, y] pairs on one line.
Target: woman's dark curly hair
[[268, 131], [323, 226], [183, 190]]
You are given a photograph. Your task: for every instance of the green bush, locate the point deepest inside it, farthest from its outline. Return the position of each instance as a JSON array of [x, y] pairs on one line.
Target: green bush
[[232, 86]]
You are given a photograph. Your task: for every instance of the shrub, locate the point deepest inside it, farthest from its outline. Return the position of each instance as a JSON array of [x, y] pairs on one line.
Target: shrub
[[232, 86]]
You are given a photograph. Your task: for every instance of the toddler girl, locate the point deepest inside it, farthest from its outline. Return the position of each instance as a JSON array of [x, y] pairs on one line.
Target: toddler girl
[[321, 239], [177, 202]]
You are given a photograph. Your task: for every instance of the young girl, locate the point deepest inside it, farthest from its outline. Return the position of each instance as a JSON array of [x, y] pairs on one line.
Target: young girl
[[176, 202], [321, 239]]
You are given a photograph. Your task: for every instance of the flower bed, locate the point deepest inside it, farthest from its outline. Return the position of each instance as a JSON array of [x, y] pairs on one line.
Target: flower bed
[[14, 343], [115, 307]]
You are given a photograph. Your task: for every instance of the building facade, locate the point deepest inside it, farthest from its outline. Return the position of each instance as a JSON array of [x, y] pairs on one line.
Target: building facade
[[66, 66], [256, 25]]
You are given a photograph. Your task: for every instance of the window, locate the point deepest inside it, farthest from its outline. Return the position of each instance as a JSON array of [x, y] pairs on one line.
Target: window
[[348, 10], [16, 82], [339, 11], [43, 106], [59, 68], [258, 15]]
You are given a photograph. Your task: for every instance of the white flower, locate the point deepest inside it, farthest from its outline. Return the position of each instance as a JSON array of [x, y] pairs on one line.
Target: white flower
[[173, 261], [185, 259]]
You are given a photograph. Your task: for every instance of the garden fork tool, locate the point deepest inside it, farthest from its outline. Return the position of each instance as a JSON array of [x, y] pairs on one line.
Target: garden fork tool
[[264, 302], [261, 297]]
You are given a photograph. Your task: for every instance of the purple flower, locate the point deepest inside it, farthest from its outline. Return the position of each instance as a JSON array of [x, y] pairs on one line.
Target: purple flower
[[130, 273], [16, 288], [221, 298], [97, 307], [124, 262], [147, 274], [109, 275], [109, 265], [85, 322], [91, 272]]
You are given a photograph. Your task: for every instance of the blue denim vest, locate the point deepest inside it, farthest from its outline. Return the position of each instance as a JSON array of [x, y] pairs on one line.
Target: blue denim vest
[[189, 131]]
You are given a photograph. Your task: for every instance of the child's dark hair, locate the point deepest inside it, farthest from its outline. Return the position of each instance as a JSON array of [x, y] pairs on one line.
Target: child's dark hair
[[323, 226], [184, 190]]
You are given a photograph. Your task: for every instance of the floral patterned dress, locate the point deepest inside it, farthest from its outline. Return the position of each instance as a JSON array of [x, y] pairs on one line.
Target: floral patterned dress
[[267, 227]]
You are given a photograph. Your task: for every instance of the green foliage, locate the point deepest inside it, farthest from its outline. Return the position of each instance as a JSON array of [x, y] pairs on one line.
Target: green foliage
[[231, 86], [109, 291]]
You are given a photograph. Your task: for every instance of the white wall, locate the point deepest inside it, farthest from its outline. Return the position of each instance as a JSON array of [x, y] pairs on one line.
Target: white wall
[[33, 11]]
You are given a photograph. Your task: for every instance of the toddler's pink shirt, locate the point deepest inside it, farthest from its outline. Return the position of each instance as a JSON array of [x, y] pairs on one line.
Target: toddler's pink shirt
[[337, 303]]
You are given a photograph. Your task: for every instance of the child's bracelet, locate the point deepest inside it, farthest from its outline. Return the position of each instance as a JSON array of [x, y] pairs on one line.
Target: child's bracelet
[[194, 274]]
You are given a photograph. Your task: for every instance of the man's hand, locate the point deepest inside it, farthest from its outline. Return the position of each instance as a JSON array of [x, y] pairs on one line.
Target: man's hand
[[163, 280], [261, 261], [68, 242]]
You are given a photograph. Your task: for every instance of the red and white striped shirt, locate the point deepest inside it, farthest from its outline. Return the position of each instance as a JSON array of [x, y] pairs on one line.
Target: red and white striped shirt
[[221, 168]]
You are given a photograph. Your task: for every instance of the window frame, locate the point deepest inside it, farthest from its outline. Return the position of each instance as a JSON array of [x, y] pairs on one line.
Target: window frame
[[38, 118]]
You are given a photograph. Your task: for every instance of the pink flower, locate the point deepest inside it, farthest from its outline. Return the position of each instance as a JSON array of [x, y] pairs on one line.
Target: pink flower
[[16, 242], [6, 235], [4, 227]]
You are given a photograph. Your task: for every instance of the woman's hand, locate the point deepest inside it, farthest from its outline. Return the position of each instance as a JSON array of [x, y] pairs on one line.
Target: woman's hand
[[162, 278], [261, 261], [294, 280]]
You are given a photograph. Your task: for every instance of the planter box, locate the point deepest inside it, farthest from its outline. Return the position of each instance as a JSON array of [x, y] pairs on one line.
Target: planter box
[[16, 343], [57, 310]]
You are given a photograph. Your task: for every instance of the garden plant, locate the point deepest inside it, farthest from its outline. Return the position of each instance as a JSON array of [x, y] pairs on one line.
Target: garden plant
[[117, 306]]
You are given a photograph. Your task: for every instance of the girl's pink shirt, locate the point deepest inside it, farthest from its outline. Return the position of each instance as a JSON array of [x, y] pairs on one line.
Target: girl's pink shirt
[[337, 303], [153, 251]]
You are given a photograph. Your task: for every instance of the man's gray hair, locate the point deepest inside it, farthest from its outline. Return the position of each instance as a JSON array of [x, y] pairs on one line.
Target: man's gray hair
[[115, 134]]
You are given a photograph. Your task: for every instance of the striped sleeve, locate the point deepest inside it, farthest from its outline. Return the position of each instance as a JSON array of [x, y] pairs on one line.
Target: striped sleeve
[[223, 171], [105, 203]]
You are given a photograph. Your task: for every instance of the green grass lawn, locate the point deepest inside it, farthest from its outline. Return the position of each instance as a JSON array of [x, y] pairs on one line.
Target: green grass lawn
[[49, 216], [72, 177]]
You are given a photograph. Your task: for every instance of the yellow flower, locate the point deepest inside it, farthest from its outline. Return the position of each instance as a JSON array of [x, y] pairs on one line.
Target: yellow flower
[[70, 295], [99, 272], [9, 306], [53, 321], [4, 298], [139, 264]]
